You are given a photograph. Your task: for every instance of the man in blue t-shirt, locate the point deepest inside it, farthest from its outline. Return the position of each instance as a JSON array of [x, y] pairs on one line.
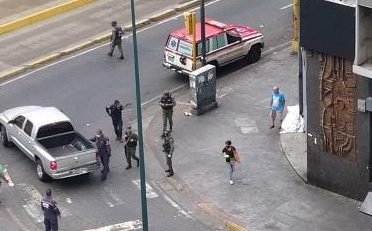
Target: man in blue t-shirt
[[277, 106]]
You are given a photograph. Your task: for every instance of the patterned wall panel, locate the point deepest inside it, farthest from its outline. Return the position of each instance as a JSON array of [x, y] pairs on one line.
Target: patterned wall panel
[[338, 106]]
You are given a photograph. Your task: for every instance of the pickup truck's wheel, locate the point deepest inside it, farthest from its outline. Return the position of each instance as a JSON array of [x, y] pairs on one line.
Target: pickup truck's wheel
[[41, 174], [254, 54], [4, 137]]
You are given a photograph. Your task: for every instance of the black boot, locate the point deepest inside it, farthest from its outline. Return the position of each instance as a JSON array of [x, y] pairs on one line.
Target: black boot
[[121, 57], [170, 174], [167, 170], [128, 167]]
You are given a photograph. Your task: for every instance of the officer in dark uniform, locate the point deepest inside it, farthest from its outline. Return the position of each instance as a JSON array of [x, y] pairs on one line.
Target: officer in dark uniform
[[51, 212], [167, 103], [115, 112], [130, 146], [168, 148], [117, 32], [104, 151]]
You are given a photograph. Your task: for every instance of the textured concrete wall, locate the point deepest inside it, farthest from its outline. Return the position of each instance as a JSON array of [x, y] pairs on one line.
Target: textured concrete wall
[[343, 175]]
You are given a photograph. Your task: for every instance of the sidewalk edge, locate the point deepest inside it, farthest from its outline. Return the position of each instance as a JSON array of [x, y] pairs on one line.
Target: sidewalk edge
[[41, 15], [282, 148]]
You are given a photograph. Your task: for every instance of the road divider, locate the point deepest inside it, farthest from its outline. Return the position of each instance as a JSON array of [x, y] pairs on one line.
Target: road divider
[[41, 15], [102, 38]]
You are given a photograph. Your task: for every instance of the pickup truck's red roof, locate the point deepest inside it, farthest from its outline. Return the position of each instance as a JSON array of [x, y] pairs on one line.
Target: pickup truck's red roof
[[213, 27]]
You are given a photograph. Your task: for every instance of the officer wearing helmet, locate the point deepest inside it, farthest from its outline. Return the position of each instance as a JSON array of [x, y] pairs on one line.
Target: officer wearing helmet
[[168, 148], [167, 103], [116, 34]]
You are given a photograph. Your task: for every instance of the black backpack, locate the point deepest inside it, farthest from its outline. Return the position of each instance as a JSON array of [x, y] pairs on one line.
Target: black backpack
[[118, 33]]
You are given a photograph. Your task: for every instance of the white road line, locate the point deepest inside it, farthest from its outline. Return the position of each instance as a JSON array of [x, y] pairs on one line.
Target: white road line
[[174, 204], [126, 226], [110, 192], [97, 47], [285, 7], [150, 193]]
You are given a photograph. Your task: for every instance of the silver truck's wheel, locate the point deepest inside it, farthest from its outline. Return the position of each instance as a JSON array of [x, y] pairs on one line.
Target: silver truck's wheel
[[40, 171], [4, 137]]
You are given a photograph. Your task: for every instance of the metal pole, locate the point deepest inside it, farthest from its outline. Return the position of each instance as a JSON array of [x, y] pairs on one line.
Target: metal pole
[[202, 32], [139, 122]]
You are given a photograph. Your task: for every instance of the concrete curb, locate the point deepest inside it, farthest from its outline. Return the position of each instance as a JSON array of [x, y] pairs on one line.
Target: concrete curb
[[44, 14], [52, 57], [218, 214]]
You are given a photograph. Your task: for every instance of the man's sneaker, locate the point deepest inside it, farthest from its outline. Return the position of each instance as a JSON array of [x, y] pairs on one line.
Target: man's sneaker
[[170, 174], [128, 167], [231, 182], [167, 170], [109, 54], [272, 126], [121, 57]]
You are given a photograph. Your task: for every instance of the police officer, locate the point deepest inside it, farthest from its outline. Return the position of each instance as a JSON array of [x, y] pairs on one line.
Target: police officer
[[130, 146], [167, 103], [117, 32], [115, 112], [104, 151], [51, 212], [168, 148]]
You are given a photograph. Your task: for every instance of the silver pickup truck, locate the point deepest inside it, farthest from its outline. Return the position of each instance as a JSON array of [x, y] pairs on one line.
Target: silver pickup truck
[[47, 137]]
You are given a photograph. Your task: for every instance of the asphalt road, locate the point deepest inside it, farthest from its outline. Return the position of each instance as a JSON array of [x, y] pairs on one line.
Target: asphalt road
[[82, 86]]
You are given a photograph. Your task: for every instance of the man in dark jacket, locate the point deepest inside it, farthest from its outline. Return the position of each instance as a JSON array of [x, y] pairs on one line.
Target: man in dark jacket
[[104, 151], [130, 146], [115, 112], [117, 32], [167, 103], [51, 212]]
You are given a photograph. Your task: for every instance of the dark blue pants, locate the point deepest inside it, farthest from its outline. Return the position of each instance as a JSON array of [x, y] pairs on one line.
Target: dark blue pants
[[51, 224], [105, 164], [118, 128]]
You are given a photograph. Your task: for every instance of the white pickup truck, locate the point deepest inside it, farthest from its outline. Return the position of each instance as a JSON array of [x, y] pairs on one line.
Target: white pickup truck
[[47, 137]]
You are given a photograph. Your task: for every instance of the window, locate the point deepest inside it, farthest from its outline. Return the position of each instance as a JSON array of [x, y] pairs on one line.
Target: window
[[218, 41], [54, 129], [19, 121], [185, 48], [28, 127], [221, 41], [206, 47], [232, 37], [173, 43]]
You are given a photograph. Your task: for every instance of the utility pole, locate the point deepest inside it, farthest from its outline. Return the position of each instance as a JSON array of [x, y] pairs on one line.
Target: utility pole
[[139, 122], [202, 32]]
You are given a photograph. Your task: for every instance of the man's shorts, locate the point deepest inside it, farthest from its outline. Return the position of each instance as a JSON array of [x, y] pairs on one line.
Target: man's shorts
[[274, 113]]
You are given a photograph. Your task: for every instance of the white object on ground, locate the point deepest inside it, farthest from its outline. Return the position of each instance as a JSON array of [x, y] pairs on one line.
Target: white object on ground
[[293, 121]]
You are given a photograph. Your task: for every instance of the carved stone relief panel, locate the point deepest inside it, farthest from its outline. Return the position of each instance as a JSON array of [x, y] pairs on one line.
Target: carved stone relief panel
[[337, 106]]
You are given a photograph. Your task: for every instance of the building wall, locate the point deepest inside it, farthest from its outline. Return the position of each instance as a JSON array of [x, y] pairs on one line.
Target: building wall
[[338, 136]]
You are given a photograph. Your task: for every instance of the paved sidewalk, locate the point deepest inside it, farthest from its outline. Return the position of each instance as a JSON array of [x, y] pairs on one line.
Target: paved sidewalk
[[267, 194], [70, 29]]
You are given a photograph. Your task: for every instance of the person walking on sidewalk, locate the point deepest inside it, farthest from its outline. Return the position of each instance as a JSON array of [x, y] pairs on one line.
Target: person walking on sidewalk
[[229, 154], [167, 103], [104, 151], [51, 212], [117, 32], [277, 104], [130, 146], [115, 112], [168, 148], [4, 176]]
